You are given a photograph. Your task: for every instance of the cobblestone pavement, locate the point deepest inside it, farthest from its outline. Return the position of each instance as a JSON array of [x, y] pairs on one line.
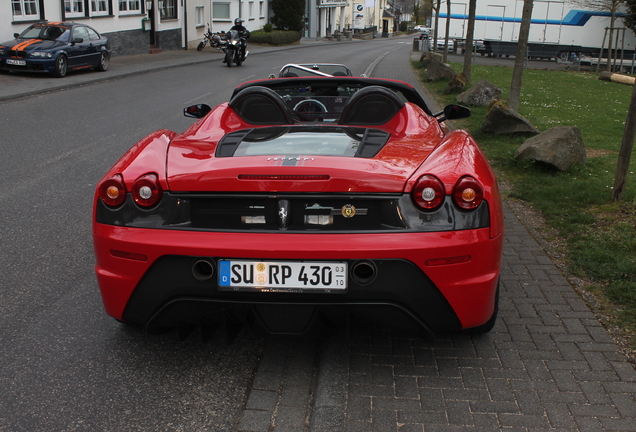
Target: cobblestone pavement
[[548, 365]]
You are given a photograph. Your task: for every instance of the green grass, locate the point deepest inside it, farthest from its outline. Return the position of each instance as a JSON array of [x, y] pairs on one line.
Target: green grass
[[599, 235]]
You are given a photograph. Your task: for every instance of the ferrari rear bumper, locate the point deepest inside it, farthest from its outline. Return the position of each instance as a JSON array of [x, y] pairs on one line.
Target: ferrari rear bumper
[[440, 281]]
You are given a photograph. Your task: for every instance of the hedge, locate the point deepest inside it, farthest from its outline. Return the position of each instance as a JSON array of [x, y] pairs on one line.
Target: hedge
[[276, 37]]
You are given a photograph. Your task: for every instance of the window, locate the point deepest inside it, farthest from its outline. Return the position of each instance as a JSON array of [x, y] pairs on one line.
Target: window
[[130, 6], [221, 11], [81, 33], [198, 16], [74, 8], [25, 10], [92, 34], [99, 7], [251, 10], [261, 7], [168, 9]]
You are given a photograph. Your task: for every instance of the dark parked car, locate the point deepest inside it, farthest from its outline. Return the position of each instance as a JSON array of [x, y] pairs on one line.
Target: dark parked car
[[55, 48]]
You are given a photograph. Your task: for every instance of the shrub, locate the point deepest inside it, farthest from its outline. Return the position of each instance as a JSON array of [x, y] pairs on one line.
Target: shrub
[[268, 28], [275, 37]]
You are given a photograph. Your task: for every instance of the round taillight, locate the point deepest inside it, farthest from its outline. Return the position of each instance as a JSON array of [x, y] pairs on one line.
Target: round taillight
[[146, 191], [112, 191], [468, 193], [428, 193]]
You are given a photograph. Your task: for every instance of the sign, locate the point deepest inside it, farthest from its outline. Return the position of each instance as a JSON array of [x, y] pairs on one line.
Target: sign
[[333, 3], [358, 16]]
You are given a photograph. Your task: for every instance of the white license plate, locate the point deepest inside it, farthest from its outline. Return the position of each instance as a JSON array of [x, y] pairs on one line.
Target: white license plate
[[276, 276], [16, 62]]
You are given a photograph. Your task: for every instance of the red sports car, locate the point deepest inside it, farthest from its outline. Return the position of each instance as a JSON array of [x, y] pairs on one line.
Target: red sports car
[[299, 202]]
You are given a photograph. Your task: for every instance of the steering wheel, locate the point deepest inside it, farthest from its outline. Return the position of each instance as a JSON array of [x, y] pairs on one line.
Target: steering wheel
[[309, 106]]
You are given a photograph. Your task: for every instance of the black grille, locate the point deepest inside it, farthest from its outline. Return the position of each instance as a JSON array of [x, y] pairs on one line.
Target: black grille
[[296, 213], [20, 54]]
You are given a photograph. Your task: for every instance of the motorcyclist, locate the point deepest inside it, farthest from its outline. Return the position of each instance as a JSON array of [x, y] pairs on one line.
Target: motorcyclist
[[243, 34]]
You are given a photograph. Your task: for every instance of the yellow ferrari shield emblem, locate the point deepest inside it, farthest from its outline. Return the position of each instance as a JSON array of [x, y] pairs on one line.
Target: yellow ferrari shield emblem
[[348, 211]]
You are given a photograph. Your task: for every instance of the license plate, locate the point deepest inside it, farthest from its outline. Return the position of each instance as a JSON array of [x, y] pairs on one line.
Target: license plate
[[16, 62], [282, 276]]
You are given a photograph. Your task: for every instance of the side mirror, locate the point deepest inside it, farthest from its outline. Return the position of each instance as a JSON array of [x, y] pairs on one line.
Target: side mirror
[[453, 112], [197, 111], [16, 35]]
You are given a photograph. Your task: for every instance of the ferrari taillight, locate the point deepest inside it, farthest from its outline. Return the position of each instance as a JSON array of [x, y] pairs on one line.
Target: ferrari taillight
[[468, 193], [112, 191], [428, 193], [146, 191]]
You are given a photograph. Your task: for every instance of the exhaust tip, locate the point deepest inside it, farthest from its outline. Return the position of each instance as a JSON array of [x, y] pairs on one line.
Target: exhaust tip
[[203, 269], [364, 272]]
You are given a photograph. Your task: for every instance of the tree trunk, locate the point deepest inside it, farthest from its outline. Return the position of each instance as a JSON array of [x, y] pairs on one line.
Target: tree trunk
[[627, 145], [468, 54], [448, 18], [435, 33], [520, 58]]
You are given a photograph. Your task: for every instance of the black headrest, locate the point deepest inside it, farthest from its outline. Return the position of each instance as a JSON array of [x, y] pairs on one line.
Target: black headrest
[[373, 105], [261, 105]]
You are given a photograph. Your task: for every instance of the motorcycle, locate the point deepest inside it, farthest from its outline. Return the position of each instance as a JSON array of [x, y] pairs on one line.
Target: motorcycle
[[214, 39], [236, 48]]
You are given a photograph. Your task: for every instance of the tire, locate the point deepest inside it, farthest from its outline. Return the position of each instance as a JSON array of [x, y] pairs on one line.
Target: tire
[[103, 62], [228, 58], [201, 46], [238, 60], [61, 66], [488, 325]]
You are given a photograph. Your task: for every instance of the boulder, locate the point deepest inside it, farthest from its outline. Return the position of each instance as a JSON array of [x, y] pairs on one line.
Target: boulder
[[438, 71], [502, 120], [456, 84], [560, 147], [427, 57], [481, 94]]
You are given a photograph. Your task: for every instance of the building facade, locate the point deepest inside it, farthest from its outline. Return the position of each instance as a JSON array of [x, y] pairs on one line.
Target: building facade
[[137, 26]]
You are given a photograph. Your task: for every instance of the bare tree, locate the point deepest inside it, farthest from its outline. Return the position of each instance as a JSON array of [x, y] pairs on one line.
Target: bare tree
[[470, 31], [436, 8], [448, 19], [627, 144], [520, 58]]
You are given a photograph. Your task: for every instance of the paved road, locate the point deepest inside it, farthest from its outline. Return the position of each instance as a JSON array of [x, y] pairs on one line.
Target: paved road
[[548, 365]]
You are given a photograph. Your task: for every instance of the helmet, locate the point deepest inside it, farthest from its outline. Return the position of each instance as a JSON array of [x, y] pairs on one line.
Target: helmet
[[238, 21]]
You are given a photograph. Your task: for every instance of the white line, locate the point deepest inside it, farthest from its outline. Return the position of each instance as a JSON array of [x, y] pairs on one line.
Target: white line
[[197, 98]]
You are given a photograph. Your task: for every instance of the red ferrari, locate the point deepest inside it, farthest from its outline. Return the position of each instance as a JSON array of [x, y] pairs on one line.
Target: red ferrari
[[297, 203]]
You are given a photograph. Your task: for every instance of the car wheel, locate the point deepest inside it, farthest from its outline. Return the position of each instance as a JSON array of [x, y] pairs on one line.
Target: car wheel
[[61, 66], [103, 62], [228, 58], [488, 325]]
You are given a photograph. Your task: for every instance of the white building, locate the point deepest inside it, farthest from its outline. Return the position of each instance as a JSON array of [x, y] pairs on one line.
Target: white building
[[130, 24], [328, 17]]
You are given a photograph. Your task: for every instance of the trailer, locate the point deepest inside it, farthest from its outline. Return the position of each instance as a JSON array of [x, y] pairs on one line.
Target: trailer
[[557, 28]]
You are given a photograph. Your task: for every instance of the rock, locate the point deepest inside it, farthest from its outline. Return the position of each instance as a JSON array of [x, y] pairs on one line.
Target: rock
[[481, 94], [561, 147], [438, 71], [427, 57], [502, 120], [456, 84]]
